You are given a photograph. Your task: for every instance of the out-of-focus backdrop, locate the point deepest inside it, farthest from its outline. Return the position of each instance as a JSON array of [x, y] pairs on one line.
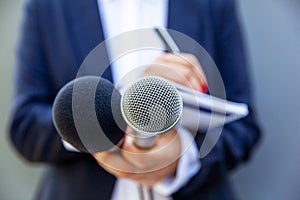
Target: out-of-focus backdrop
[[272, 30], [18, 179]]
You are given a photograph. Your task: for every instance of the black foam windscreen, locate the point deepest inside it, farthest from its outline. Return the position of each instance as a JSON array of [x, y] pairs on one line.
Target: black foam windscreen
[[87, 114]]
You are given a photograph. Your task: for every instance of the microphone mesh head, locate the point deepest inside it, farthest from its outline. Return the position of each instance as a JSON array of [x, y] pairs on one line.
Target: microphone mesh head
[[151, 106]]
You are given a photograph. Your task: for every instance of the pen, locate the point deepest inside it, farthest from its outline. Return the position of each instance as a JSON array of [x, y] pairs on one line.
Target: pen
[[167, 39], [171, 46]]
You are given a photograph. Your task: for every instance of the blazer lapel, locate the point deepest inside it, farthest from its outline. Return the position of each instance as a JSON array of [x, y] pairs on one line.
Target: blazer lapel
[[185, 17], [86, 30]]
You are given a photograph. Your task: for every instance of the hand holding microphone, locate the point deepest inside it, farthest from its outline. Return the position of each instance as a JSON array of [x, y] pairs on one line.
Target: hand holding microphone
[[86, 98], [181, 68], [146, 167], [151, 107]]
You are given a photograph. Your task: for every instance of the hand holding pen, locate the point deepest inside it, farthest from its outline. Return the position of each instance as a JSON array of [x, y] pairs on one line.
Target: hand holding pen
[[182, 68]]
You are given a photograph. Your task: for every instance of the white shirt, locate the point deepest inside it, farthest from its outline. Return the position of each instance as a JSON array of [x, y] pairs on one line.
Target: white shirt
[[119, 16]]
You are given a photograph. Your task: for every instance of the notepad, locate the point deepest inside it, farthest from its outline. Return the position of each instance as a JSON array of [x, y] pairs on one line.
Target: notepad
[[203, 111]]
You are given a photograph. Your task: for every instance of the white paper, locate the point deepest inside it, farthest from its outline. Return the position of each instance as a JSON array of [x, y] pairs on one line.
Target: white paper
[[203, 111]]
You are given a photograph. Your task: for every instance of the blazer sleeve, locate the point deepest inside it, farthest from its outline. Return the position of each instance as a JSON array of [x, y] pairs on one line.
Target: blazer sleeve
[[239, 138], [31, 128]]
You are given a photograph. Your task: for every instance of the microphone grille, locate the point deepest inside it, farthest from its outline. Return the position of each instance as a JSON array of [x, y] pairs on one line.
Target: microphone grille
[[151, 106]]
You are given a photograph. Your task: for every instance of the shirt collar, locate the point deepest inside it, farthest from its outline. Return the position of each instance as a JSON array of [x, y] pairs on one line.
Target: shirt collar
[[145, 1]]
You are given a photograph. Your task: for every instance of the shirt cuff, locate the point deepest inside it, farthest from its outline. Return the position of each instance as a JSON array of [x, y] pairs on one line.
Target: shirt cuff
[[189, 164], [69, 147]]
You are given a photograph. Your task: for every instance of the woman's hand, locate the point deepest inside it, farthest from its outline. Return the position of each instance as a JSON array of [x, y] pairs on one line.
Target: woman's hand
[[145, 166], [181, 68]]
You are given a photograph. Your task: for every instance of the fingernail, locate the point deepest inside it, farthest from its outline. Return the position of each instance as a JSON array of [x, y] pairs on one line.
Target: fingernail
[[204, 88]]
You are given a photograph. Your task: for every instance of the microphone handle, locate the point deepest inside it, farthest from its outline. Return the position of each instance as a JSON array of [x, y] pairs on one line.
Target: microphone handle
[[145, 143], [146, 193]]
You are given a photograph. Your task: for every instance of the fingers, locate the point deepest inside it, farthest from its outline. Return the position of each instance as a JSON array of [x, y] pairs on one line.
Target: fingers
[[175, 73], [114, 162], [151, 178], [180, 68], [188, 60], [109, 161], [167, 149], [146, 167]]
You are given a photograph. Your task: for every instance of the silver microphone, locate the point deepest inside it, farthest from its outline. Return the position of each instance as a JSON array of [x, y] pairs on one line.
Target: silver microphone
[[151, 106]]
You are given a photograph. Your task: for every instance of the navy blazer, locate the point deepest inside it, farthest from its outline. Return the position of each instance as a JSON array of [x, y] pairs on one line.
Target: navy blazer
[[57, 35]]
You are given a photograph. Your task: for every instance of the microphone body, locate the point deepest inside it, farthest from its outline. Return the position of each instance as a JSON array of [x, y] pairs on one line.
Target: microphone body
[[83, 114], [151, 106]]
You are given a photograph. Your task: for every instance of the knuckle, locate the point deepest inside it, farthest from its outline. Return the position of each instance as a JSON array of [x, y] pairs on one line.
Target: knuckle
[[187, 74]]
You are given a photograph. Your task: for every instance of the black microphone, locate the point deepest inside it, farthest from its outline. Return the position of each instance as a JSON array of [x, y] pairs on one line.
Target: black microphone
[[86, 114]]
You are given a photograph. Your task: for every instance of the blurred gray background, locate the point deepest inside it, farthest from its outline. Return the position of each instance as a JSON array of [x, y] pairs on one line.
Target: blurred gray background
[[272, 31]]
